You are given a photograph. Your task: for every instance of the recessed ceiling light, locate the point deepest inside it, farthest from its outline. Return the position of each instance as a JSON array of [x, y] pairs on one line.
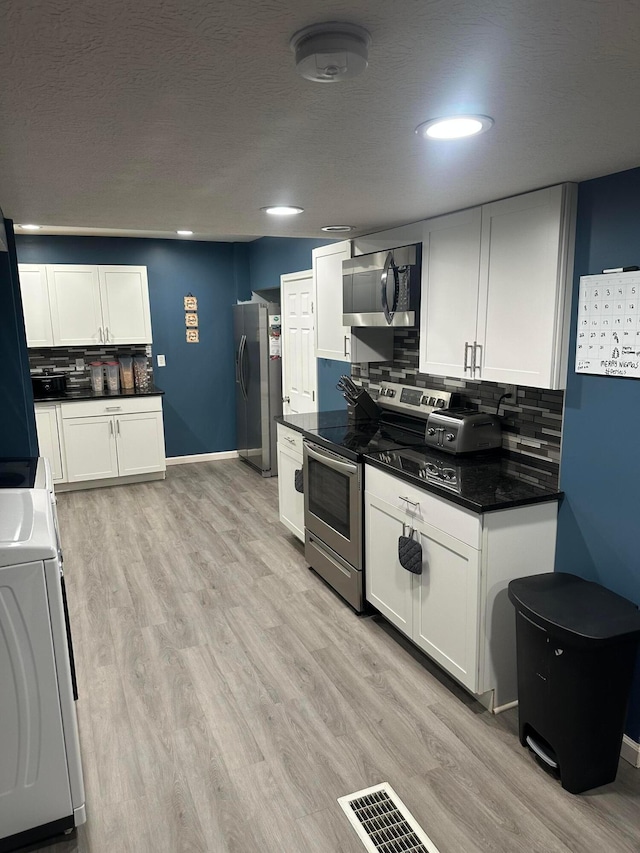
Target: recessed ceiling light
[[454, 127], [337, 229], [184, 233], [31, 227], [282, 210]]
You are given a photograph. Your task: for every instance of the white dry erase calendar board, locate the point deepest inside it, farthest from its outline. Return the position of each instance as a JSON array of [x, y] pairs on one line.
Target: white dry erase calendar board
[[608, 337]]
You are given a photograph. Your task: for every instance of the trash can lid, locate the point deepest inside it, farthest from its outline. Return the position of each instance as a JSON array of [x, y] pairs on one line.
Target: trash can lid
[[577, 611]]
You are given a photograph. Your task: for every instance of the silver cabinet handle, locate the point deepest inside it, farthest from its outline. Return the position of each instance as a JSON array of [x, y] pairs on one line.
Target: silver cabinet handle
[[289, 439], [100, 333], [467, 347], [413, 503], [106, 334], [118, 427], [113, 408], [476, 358], [110, 427], [345, 346]]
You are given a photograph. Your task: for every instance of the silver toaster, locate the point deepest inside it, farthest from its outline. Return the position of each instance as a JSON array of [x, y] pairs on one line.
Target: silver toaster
[[462, 430]]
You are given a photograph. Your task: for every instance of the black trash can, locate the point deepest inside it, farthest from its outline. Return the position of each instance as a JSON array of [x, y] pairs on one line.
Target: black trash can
[[576, 649]]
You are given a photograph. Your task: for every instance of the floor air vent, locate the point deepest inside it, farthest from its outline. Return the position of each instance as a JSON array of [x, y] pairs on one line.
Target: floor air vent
[[383, 823]]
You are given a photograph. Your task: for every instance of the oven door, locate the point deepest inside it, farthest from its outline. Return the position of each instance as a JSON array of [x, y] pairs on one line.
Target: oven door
[[333, 501]]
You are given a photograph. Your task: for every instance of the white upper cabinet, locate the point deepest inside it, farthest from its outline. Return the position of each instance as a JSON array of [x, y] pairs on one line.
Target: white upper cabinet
[[76, 305], [35, 305], [124, 293], [497, 288], [392, 238], [76, 315], [332, 339]]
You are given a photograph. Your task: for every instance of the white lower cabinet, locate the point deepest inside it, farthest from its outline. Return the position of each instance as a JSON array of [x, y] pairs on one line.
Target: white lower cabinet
[[50, 443], [457, 610], [103, 445], [290, 500]]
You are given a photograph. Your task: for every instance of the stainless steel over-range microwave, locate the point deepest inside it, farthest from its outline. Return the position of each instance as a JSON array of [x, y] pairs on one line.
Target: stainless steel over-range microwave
[[383, 288]]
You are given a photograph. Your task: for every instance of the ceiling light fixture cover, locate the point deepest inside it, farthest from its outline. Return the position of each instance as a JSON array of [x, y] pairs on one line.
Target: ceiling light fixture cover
[[282, 210], [454, 127], [337, 229], [327, 53], [31, 227], [184, 232]]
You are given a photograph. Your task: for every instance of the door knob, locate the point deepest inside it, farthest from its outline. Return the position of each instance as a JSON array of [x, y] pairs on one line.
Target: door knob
[[286, 400]]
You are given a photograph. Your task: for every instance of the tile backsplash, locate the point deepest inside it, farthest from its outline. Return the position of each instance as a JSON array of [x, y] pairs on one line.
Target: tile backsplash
[[63, 360], [531, 424]]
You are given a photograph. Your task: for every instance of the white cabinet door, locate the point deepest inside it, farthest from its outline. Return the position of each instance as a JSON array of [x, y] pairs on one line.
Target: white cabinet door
[[140, 441], [35, 304], [332, 338], [90, 447], [388, 585], [124, 293], [449, 309], [34, 778], [76, 314], [290, 501], [522, 308], [48, 427], [446, 604]]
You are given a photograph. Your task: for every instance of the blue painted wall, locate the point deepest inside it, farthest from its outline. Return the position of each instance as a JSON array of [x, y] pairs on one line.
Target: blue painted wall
[[199, 379], [271, 257], [17, 422], [600, 469]]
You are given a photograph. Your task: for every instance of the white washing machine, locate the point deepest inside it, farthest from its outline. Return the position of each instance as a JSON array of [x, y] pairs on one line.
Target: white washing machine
[[41, 785]]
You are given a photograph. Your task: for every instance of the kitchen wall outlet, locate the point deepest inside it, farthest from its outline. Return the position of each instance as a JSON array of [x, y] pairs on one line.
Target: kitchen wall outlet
[[79, 363], [513, 399], [161, 361], [364, 370]]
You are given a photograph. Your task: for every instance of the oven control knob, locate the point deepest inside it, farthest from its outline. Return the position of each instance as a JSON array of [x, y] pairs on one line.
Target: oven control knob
[[431, 431], [450, 436]]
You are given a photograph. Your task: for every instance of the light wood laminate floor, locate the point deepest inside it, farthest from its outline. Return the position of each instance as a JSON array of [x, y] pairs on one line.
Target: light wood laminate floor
[[228, 697]]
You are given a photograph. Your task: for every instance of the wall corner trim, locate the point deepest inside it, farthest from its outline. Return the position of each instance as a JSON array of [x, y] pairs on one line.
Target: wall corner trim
[[202, 457], [630, 751]]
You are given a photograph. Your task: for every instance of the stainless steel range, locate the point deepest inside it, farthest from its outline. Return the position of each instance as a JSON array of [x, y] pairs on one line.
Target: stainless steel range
[[333, 477]]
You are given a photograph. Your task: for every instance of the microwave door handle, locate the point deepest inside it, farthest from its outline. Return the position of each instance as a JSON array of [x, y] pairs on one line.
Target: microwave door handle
[[330, 460], [389, 265]]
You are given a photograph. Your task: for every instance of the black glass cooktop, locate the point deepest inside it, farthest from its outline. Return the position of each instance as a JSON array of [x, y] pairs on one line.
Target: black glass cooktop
[[18, 473], [354, 440]]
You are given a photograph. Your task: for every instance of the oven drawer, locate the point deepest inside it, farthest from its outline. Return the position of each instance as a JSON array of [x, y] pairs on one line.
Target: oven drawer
[[418, 503], [346, 580]]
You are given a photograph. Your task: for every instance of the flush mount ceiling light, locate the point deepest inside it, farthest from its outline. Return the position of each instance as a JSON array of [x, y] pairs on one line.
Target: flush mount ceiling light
[[282, 210], [327, 53], [337, 229], [30, 227], [184, 233], [454, 127]]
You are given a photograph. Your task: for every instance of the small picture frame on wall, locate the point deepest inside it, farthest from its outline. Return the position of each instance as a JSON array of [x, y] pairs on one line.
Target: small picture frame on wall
[[193, 336], [190, 302], [191, 320]]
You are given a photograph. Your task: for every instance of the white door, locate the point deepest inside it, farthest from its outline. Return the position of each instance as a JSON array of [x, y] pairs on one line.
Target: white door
[[449, 304], [35, 305], [90, 446], [519, 283], [445, 604], [34, 781], [76, 314], [299, 375], [140, 442], [388, 585], [290, 500], [49, 438], [333, 340], [124, 292]]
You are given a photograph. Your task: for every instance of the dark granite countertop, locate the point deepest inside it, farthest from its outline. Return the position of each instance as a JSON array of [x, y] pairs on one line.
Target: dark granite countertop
[[88, 394], [310, 422], [484, 484]]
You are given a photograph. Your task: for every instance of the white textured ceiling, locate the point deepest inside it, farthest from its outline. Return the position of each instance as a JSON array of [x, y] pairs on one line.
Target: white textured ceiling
[[152, 115]]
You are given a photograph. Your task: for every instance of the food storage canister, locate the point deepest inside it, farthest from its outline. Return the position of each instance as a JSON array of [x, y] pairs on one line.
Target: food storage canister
[[97, 377], [141, 373], [126, 372], [113, 377]]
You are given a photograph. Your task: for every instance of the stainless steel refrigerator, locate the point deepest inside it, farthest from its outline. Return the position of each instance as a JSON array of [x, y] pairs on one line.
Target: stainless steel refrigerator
[[258, 383]]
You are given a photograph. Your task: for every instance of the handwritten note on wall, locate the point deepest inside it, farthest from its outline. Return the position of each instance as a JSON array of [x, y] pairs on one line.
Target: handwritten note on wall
[[608, 335]]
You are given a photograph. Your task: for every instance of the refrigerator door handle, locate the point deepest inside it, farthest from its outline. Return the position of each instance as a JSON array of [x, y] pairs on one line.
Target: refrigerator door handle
[[243, 350]]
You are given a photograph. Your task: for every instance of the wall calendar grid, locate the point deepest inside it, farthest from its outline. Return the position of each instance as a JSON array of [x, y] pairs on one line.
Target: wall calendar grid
[[608, 334]]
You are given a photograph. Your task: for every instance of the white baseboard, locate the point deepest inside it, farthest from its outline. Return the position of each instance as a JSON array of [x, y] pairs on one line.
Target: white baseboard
[[630, 751], [202, 457]]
